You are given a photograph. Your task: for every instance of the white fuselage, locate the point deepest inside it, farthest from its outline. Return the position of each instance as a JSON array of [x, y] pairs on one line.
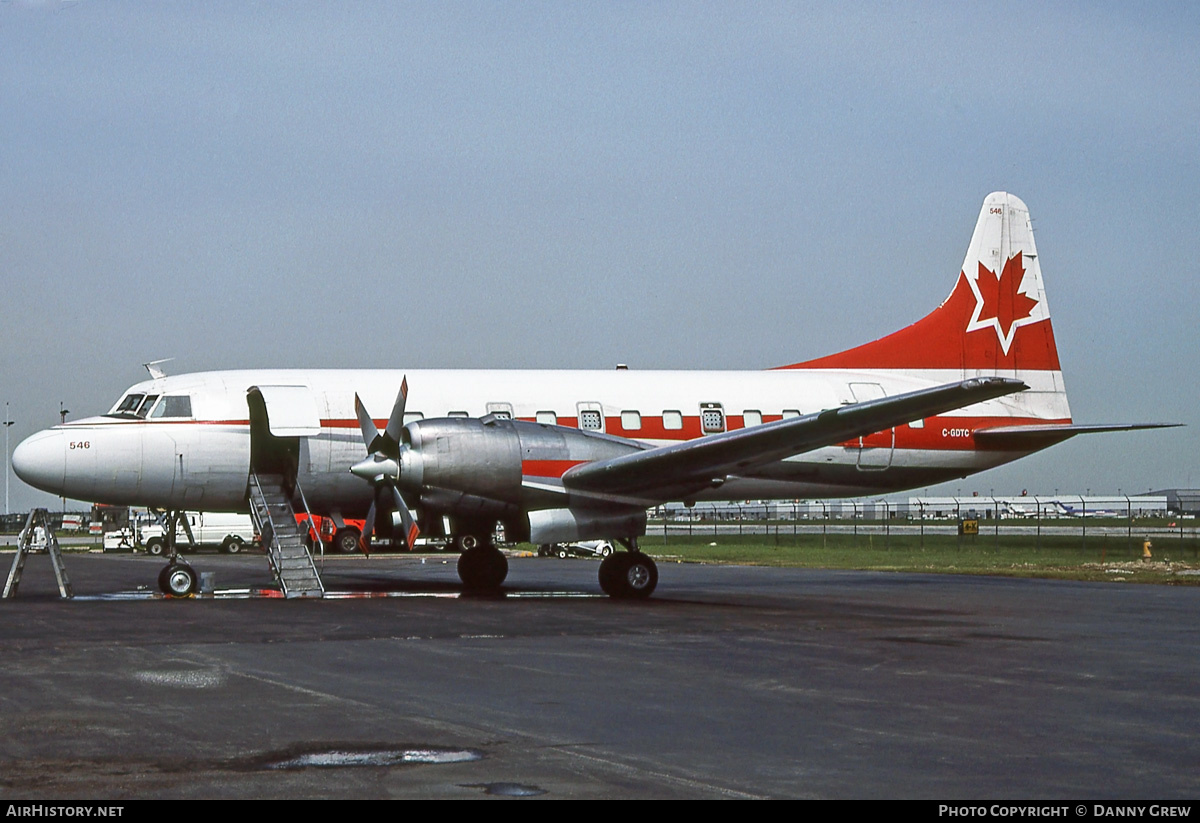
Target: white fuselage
[[202, 460]]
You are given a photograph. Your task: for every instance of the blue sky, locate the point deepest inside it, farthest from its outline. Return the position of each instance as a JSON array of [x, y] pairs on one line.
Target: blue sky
[[680, 185]]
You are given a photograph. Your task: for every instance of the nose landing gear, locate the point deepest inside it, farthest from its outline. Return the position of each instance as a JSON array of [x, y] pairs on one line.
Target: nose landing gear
[[178, 579]]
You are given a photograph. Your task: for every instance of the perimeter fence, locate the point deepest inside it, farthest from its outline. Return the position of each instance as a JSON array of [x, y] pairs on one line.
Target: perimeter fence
[[1108, 528]]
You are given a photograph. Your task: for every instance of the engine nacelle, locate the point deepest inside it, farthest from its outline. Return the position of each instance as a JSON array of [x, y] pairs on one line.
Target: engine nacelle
[[449, 459], [570, 525]]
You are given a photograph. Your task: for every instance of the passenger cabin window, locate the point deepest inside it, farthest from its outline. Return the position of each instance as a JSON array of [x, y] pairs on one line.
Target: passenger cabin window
[[409, 417], [751, 417], [790, 413], [547, 417], [917, 424], [712, 418], [173, 406], [590, 420], [672, 420], [457, 414], [631, 420]]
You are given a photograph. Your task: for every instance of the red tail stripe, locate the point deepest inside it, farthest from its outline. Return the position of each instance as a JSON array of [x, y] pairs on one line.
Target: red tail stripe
[[940, 341]]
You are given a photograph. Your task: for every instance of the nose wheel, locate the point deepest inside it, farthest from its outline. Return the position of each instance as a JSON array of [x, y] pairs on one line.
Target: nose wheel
[[178, 579]]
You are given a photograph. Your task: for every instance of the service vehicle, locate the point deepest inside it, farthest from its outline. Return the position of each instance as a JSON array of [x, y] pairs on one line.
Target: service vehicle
[[230, 533], [582, 548], [348, 539]]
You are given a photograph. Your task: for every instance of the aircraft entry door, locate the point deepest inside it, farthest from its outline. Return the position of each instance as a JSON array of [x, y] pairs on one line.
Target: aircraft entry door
[[279, 417], [874, 450]]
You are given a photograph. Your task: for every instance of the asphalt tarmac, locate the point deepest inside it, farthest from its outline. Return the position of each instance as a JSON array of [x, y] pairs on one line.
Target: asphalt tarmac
[[731, 682]]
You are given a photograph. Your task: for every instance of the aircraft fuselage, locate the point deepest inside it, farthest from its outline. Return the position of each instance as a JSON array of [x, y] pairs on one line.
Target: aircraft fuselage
[[202, 461]]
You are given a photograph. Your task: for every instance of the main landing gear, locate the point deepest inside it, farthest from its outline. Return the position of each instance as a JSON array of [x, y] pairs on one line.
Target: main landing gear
[[481, 566], [628, 575]]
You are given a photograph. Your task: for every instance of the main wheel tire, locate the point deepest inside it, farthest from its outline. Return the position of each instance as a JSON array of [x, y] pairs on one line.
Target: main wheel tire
[[628, 575], [482, 568], [232, 545], [155, 546], [610, 570], [178, 580], [346, 540]]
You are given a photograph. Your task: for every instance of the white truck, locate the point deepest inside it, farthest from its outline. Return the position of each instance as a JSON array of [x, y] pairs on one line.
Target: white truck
[[231, 533]]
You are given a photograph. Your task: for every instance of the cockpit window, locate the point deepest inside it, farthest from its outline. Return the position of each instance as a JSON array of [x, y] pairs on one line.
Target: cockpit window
[[173, 406], [147, 404], [129, 405]]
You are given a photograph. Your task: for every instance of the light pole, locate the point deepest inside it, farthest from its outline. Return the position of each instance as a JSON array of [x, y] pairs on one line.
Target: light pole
[[7, 425], [62, 416]]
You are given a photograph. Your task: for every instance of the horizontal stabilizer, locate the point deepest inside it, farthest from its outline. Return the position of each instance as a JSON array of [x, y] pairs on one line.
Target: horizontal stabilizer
[[1042, 435]]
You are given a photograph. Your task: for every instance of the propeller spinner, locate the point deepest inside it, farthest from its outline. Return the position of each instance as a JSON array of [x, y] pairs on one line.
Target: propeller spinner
[[383, 464]]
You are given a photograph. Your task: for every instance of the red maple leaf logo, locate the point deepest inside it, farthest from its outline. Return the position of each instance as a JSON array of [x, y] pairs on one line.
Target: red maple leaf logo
[[1001, 304]]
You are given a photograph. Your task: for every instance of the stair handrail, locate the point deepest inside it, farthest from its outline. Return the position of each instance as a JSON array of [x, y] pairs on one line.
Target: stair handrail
[[262, 516], [309, 522]]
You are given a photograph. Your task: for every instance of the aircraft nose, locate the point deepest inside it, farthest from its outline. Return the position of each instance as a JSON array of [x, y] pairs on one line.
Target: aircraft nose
[[40, 460]]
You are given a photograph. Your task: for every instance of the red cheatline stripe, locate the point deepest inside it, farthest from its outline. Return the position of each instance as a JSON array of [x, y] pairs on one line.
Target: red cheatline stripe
[[938, 434], [75, 424]]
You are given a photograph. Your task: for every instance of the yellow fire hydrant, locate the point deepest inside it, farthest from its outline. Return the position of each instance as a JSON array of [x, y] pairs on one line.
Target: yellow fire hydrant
[[1146, 549]]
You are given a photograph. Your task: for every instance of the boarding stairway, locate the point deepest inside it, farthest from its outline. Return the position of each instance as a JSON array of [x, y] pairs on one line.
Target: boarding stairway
[[283, 537]]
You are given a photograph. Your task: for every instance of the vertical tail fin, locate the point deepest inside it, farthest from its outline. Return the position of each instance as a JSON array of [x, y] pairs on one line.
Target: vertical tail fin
[[995, 321]]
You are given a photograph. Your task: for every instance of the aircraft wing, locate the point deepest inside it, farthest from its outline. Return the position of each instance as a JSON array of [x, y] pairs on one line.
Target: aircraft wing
[[707, 461]]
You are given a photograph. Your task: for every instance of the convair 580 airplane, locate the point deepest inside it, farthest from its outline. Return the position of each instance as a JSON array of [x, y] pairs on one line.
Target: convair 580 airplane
[[570, 455]]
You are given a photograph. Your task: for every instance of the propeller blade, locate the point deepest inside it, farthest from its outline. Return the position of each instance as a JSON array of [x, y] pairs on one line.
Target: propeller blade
[[407, 522], [382, 469], [369, 432], [396, 422], [370, 524]]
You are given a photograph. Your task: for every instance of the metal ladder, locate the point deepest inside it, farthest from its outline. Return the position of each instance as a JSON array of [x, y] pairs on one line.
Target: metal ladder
[[283, 538], [38, 517]]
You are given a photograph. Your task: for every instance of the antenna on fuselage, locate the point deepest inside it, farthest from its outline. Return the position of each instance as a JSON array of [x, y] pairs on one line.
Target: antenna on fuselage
[[154, 370]]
